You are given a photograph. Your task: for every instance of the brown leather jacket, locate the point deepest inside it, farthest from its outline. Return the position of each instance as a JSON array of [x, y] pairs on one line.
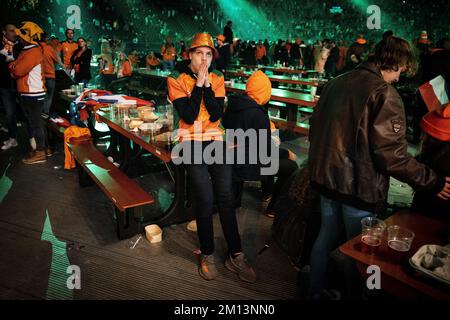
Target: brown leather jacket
[[358, 140]]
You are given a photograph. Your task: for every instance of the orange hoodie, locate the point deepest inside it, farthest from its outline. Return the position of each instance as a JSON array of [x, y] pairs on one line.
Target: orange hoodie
[[73, 132], [49, 61], [259, 88]]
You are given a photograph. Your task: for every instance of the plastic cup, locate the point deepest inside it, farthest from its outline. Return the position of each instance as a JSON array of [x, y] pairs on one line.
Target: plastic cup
[[371, 233], [399, 242]]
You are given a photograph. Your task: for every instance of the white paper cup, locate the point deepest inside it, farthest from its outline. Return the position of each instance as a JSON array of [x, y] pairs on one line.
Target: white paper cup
[[153, 233]]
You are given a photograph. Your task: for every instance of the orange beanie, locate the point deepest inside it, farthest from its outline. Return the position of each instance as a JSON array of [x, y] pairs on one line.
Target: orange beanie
[[437, 123], [259, 87]]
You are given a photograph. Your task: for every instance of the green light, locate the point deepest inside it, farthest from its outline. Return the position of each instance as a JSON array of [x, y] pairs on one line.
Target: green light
[[165, 199], [5, 184], [246, 17], [57, 282]]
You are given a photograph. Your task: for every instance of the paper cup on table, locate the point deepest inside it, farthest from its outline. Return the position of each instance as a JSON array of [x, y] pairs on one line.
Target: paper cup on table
[[153, 233]]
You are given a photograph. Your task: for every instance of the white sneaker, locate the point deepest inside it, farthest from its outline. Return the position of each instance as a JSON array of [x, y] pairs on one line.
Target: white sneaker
[[2, 128], [33, 143], [9, 144]]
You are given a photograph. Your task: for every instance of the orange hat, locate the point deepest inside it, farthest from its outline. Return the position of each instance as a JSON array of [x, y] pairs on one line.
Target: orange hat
[[221, 37], [259, 87], [202, 40], [437, 123], [361, 40]]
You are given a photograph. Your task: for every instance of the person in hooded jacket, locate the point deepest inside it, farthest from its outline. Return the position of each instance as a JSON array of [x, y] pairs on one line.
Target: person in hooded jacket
[[246, 112]]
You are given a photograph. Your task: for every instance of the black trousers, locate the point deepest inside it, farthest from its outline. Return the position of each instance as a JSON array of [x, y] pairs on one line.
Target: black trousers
[[32, 108]]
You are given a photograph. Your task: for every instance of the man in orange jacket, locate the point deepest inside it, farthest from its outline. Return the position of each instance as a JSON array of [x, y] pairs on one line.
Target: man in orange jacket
[[50, 58], [28, 70], [198, 93]]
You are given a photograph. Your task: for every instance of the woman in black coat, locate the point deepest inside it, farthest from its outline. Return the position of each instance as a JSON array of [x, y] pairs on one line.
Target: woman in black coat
[[81, 61]]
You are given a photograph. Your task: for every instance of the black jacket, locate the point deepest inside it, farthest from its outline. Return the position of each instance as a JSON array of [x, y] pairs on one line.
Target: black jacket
[[84, 61], [435, 64], [228, 34], [357, 141], [6, 82], [244, 113], [224, 58], [426, 202]]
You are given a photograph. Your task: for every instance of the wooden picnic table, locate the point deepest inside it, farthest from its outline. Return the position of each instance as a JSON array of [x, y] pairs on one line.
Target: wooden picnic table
[[279, 78], [397, 277]]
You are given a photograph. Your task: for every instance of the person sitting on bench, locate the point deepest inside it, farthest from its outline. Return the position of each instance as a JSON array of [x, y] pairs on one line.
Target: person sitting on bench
[[246, 112]]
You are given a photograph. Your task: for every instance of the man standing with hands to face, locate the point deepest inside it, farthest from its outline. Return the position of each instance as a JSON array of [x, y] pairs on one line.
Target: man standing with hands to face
[[198, 93]]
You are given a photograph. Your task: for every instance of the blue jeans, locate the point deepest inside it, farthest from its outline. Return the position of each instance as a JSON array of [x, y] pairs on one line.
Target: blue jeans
[[50, 84], [204, 191], [336, 218], [8, 100]]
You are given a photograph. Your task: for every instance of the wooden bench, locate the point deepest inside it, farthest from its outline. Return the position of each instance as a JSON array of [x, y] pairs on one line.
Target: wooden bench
[[128, 197], [298, 127], [277, 104]]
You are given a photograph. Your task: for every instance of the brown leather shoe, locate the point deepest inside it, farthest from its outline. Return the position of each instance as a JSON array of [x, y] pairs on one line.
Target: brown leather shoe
[[35, 157], [48, 152]]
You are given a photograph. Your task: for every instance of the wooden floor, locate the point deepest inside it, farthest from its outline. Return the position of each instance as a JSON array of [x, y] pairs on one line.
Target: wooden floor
[[48, 223]]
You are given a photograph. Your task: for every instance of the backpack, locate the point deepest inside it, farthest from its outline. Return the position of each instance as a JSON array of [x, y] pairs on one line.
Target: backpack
[[297, 218]]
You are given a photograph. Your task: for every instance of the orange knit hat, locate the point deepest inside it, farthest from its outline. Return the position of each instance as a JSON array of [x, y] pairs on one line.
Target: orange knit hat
[[259, 87], [437, 123]]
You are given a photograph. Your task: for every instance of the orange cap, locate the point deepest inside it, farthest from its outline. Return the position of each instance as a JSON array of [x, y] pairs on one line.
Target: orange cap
[[259, 87], [202, 40], [437, 123]]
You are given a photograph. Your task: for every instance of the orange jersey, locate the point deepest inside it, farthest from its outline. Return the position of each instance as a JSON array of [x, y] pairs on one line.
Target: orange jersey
[[180, 85], [260, 52], [134, 60], [168, 53], [49, 60], [109, 69], [67, 50], [124, 70], [28, 70], [152, 61]]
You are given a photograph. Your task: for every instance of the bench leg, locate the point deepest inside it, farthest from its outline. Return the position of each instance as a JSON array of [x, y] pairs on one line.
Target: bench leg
[[126, 223], [83, 177]]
